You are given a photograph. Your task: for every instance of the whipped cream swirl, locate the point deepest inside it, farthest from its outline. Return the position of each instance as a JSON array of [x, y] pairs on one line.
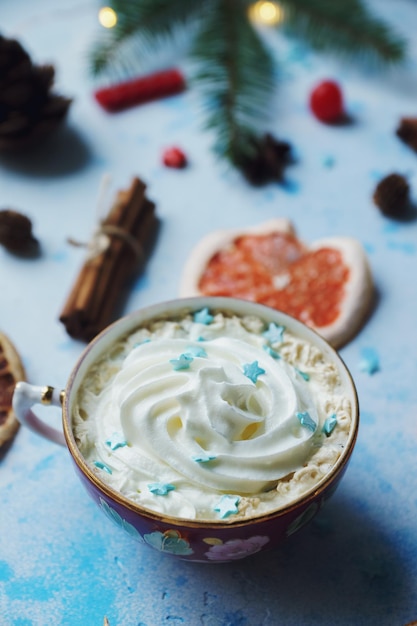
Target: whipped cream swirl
[[210, 422], [183, 413]]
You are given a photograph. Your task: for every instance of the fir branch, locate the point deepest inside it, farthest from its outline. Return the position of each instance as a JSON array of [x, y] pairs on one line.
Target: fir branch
[[346, 28], [156, 17], [235, 75], [235, 69], [141, 24]]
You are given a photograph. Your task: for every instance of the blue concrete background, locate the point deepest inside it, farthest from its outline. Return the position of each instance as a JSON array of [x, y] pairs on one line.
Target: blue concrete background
[[61, 561]]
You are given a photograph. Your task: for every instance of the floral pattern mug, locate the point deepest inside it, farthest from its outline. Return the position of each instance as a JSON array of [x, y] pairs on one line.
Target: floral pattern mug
[[207, 541]]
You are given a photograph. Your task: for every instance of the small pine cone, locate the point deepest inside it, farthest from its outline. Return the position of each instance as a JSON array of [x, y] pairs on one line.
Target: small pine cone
[[391, 195], [16, 233], [407, 131], [269, 159], [28, 108]]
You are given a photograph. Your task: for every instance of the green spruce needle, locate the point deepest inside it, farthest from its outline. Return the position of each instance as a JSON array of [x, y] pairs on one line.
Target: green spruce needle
[[231, 63]]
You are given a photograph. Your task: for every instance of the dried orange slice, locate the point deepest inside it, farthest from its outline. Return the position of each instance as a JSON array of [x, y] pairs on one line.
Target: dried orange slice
[[327, 285], [11, 371]]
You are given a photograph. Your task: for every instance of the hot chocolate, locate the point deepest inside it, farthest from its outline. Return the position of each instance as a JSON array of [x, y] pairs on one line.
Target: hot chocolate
[[212, 416]]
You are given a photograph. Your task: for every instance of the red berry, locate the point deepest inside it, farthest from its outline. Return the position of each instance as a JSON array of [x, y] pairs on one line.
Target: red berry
[[326, 101], [174, 157]]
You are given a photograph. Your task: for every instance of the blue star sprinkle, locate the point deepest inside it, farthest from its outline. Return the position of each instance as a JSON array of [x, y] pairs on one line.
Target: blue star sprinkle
[[275, 333], [103, 467], [271, 352], [161, 489], [228, 505], [303, 374], [140, 343], [116, 441], [370, 361], [203, 458], [329, 424], [182, 363], [203, 317], [196, 351], [252, 371], [307, 421]]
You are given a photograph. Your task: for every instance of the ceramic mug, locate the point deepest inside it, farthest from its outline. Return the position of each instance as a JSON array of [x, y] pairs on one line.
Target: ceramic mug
[[218, 540]]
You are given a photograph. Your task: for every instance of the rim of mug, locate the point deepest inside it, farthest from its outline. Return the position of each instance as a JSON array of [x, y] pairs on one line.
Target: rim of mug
[[181, 306]]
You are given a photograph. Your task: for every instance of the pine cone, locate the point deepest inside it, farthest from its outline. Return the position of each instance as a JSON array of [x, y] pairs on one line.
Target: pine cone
[[391, 195], [28, 108], [407, 131], [16, 233], [269, 159]]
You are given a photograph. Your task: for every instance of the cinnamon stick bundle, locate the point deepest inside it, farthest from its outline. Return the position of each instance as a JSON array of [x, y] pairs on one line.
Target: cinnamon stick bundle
[[120, 246]]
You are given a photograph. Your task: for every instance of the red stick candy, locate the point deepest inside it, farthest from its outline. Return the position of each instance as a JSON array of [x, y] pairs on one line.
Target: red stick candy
[[139, 90]]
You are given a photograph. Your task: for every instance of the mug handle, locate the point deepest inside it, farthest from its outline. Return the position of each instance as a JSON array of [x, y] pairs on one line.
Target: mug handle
[[25, 396]]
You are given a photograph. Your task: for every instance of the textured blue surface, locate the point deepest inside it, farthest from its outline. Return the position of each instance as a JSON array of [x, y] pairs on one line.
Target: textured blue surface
[[61, 561]]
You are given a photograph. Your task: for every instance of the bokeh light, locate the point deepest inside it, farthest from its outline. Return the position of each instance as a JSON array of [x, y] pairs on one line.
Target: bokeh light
[[266, 13], [107, 17]]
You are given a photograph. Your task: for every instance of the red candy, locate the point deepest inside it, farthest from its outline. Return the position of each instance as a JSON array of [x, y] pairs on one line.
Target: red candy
[[174, 157], [326, 101], [140, 90]]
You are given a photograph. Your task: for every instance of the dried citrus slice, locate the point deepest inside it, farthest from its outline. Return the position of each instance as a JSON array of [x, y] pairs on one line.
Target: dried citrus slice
[[11, 371], [327, 285]]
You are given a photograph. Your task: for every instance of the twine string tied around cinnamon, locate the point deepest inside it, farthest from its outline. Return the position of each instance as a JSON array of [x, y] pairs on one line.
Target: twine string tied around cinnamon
[[101, 241]]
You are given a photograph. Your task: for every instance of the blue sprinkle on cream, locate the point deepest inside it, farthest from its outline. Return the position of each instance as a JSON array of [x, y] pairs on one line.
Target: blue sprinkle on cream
[[252, 371], [196, 351], [307, 421], [275, 333], [182, 363], [271, 352], [303, 374], [116, 441], [329, 424], [103, 467], [203, 317], [140, 343], [160, 489], [203, 458], [227, 505]]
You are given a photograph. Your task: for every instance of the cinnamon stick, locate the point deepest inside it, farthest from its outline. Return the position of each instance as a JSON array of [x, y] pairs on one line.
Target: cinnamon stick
[[120, 247]]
